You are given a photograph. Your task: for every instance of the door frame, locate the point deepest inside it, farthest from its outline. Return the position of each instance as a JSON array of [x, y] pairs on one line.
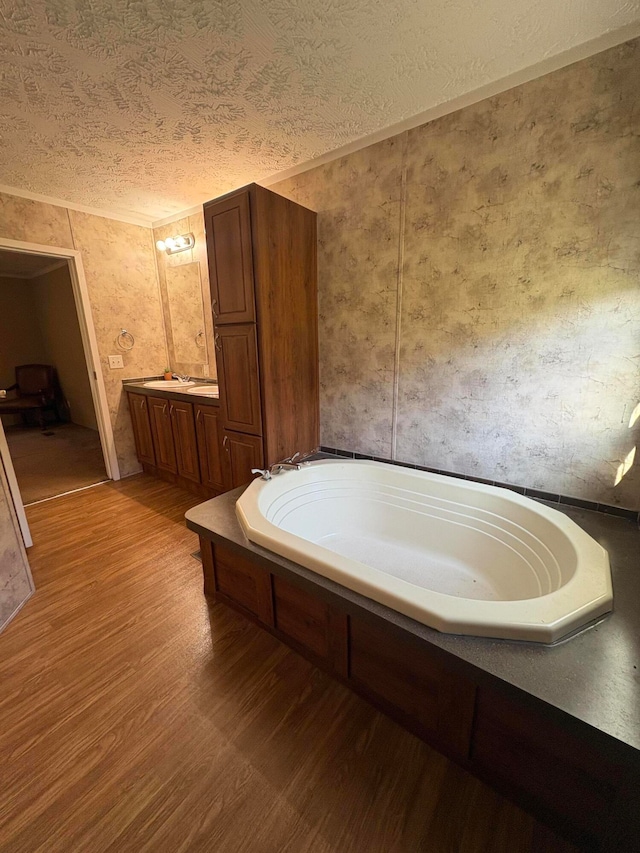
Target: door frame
[[14, 489], [89, 343]]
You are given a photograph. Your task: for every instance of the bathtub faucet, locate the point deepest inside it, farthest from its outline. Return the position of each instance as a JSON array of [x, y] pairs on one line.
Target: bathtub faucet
[[289, 464]]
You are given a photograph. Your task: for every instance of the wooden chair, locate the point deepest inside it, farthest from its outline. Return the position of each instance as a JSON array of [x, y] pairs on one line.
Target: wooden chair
[[36, 391]]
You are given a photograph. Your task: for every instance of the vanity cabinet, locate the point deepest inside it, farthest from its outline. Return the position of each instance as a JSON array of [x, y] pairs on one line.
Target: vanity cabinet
[[162, 433], [142, 429], [188, 444], [184, 439], [209, 439], [241, 454], [262, 267]]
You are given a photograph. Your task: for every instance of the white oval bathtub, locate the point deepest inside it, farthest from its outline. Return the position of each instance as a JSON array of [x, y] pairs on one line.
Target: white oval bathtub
[[458, 556]]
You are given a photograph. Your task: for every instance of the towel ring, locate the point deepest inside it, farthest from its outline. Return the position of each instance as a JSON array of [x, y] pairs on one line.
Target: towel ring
[[200, 339], [125, 340]]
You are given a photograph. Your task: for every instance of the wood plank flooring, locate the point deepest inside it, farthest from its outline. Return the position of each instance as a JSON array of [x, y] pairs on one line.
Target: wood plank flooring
[[134, 717]]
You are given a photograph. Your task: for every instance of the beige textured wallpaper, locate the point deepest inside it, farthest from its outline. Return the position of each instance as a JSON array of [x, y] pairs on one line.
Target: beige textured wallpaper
[[123, 289], [480, 287]]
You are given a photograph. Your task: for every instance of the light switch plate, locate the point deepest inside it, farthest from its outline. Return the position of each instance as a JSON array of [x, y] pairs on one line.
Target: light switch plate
[[115, 361]]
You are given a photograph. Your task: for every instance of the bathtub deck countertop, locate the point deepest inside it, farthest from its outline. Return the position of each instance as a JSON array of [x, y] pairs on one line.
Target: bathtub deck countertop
[[594, 676]]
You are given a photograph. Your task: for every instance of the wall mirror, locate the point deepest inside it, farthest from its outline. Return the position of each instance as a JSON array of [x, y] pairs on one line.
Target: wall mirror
[[186, 313]]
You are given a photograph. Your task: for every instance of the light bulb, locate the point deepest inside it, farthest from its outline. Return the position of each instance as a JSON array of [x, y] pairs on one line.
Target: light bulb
[[161, 246], [170, 243]]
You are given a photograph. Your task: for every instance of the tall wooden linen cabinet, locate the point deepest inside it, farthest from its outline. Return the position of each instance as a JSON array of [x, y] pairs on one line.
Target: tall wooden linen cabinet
[[263, 273]]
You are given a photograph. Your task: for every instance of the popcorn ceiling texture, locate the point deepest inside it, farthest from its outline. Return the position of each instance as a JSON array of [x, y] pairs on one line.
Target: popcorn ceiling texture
[[154, 107], [486, 268]]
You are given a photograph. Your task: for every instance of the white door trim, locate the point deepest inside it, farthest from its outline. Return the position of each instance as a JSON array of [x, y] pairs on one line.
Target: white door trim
[[89, 341], [14, 489]]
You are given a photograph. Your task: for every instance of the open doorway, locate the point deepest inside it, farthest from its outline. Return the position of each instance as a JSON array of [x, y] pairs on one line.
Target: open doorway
[[57, 447]]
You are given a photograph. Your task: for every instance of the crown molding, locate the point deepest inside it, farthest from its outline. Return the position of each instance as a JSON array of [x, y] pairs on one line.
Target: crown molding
[[130, 218], [175, 217], [524, 75]]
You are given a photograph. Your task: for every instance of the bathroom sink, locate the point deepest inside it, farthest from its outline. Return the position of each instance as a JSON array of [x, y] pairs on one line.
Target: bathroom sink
[[205, 391], [167, 383]]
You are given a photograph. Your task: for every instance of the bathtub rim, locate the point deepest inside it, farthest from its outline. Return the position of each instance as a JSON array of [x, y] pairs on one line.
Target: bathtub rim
[[587, 595]]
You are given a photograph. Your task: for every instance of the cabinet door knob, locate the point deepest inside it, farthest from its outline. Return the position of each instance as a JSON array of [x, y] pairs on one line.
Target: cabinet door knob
[[164, 409], [171, 408], [214, 301], [198, 415], [217, 341], [225, 442], [144, 403]]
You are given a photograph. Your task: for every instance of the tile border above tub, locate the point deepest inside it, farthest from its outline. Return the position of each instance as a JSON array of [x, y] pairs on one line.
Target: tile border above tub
[[536, 494]]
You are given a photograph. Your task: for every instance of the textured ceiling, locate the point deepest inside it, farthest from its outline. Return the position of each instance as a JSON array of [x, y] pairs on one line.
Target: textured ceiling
[[152, 106]]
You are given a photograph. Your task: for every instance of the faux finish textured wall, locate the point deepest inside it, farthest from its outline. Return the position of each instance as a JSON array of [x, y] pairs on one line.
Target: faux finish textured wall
[[480, 286], [123, 289]]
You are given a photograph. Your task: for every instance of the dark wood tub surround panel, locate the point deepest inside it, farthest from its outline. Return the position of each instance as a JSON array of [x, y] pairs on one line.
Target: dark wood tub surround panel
[[575, 778]]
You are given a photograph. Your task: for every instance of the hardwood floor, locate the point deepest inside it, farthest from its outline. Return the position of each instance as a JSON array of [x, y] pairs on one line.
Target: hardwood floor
[[133, 717]]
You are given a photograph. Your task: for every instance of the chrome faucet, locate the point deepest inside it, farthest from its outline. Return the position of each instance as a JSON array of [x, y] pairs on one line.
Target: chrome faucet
[[180, 377], [289, 464]]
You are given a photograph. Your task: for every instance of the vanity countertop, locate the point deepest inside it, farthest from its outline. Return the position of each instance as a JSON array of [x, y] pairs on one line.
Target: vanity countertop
[[137, 387]]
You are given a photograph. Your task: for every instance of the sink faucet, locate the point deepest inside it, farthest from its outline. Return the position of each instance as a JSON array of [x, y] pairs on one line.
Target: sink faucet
[[289, 464], [180, 377]]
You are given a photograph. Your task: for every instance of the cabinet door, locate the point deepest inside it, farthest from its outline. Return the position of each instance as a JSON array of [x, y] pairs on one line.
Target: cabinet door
[[184, 437], [141, 428], [412, 686], [242, 453], [209, 430], [237, 356], [228, 230], [162, 434]]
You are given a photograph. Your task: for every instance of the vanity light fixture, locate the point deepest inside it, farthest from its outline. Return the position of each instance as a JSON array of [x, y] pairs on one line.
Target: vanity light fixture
[[171, 245]]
